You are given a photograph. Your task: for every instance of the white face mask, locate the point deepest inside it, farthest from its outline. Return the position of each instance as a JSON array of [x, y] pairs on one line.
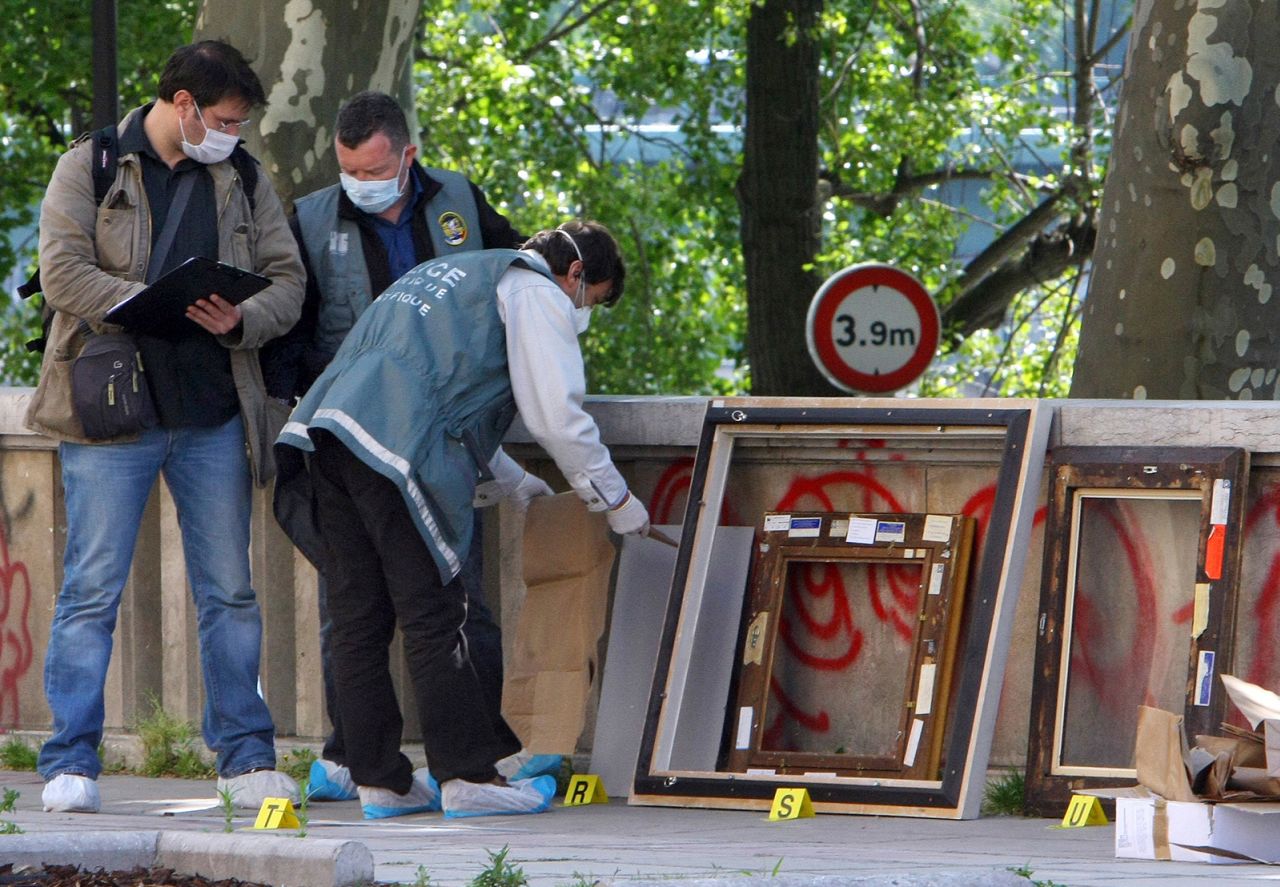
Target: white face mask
[[375, 195], [216, 147], [581, 310]]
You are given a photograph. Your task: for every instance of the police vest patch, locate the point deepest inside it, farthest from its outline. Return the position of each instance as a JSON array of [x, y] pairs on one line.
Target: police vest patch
[[454, 228]]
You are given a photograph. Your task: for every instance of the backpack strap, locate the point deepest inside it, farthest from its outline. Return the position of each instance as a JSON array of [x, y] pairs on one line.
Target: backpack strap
[[247, 167]]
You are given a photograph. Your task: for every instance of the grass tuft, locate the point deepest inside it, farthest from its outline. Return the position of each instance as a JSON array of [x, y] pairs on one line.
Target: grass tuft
[[1005, 795], [500, 873], [169, 746], [17, 755]]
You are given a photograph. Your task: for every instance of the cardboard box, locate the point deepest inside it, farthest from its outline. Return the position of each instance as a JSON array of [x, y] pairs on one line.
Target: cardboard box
[[1193, 831]]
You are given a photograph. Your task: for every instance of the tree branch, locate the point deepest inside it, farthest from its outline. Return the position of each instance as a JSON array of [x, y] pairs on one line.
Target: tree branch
[[906, 183]]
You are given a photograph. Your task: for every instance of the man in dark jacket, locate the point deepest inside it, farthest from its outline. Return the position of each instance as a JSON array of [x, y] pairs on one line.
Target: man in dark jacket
[[386, 215]]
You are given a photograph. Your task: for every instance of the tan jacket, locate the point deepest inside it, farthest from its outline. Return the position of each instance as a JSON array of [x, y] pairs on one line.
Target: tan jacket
[[93, 257]]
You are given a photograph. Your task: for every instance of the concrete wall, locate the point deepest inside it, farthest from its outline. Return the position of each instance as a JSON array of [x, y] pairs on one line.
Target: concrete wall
[[653, 441]]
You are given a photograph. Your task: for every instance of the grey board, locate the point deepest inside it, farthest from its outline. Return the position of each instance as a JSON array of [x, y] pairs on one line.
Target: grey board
[[640, 599]]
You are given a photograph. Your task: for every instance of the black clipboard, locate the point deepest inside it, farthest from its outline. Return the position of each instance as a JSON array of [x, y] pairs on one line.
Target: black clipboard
[[161, 309]]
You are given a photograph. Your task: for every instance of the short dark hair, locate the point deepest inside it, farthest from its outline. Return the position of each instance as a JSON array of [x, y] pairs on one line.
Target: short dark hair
[[211, 70], [601, 258], [370, 112]]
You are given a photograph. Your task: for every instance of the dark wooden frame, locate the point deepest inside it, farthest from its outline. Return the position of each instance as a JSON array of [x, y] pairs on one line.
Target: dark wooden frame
[[944, 567], [1080, 470], [1018, 431]]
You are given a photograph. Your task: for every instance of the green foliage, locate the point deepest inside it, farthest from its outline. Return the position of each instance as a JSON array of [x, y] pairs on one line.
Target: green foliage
[[227, 801], [423, 878], [304, 806], [1025, 871], [17, 755], [500, 873], [8, 805], [169, 746], [633, 115], [1004, 795], [297, 763], [46, 97]]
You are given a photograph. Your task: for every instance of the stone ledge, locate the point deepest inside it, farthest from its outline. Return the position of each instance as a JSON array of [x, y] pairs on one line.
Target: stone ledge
[[278, 859]]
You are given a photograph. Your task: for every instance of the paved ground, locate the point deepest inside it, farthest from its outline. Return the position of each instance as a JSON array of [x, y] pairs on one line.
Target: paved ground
[[576, 846]]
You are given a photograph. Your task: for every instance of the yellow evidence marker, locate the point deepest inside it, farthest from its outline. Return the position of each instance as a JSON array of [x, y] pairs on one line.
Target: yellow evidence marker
[[585, 789], [1082, 811], [791, 803], [276, 813]]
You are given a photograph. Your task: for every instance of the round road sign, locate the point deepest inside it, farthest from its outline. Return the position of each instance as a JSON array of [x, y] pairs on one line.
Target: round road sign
[[872, 329]]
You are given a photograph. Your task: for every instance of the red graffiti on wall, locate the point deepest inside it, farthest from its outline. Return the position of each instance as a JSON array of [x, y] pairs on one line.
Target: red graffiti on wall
[[1262, 522], [16, 647]]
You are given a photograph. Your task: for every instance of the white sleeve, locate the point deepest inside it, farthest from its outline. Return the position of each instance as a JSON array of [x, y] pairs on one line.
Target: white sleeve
[[549, 384]]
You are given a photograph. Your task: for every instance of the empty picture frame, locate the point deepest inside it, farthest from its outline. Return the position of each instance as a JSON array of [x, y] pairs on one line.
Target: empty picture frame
[[921, 559], [1137, 606], [1009, 435]]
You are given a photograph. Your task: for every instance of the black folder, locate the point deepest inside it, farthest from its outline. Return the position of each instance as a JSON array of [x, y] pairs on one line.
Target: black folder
[[161, 309]]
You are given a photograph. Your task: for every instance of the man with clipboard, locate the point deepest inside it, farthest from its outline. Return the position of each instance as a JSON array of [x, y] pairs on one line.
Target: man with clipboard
[[177, 192]]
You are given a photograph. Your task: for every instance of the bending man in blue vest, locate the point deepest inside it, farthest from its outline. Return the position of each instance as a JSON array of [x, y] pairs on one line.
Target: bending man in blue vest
[[386, 215], [404, 424]]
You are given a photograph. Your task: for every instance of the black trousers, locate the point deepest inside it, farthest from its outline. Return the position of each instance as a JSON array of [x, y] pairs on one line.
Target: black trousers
[[380, 574], [484, 643]]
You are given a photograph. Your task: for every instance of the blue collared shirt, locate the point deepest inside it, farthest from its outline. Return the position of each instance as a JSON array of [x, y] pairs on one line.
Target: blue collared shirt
[[397, 237]]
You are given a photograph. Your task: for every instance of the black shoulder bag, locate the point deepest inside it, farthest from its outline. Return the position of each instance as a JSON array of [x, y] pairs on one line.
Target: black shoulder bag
[[108, 387]]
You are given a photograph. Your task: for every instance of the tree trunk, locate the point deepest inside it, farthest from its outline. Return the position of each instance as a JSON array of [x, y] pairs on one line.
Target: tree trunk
[[1180, 303], [311, 56], [777, 193]]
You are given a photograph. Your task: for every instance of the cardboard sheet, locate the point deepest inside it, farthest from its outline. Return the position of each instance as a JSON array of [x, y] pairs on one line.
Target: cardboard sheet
[[567, 561]]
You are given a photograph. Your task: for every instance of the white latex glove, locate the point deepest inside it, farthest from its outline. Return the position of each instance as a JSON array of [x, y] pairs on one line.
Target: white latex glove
[[530, 486], [629, 517]]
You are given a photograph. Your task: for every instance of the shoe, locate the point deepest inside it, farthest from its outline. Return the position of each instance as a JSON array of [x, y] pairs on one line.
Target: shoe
[[249, 790], [525, 764], [71, 793], [382, 803], [330, 782], [463, 799]]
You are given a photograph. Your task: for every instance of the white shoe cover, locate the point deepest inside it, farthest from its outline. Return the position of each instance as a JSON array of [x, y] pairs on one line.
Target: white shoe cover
[[524, 764], [71, 793], [382, 803], [249, 790], [328, 781], [462, 798]]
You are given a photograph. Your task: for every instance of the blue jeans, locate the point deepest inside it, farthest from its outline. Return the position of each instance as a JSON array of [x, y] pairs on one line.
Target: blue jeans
[[106, 488]]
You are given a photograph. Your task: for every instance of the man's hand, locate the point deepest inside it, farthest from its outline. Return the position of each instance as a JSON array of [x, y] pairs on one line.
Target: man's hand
[[215, 314], [629, 516]]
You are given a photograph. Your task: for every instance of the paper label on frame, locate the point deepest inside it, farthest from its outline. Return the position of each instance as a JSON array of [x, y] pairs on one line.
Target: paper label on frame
[[862, 531], [935, 578], [1221, 501], [1200, 616], [838, 528], [891, 531], [743, 740], [1204, 678], [924, 691], [804, 528], [913, 742], [774, 523], [937, 528]]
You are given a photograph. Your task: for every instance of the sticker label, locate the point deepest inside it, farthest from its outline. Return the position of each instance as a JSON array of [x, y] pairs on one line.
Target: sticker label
[[753, 648], [862, 531], [805, 527], [1200, 617], [774, 523], [924, 692], [913, 742], [891, 531], [937, 528], [935, 578], [1220, 504], [1204, 678], [743, 739]]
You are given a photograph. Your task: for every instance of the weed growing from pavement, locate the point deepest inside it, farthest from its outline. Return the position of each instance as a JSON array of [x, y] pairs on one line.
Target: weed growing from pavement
[[169, 746], [423, 878], [304, 806], [1003, 796], [228, 804], [17, 755], [500, 873], [1025, 871], [297, 763], [7, 806]]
